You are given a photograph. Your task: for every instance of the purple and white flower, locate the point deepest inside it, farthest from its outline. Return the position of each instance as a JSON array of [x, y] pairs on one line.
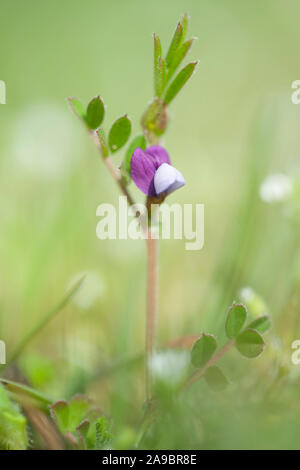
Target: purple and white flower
[[152, 172]]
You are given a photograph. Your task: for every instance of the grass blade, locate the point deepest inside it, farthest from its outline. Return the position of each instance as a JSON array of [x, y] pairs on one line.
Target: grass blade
[[18, 388], [43, 322]]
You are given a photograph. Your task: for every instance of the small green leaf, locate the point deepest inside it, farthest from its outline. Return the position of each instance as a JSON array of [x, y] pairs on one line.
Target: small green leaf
[[159, 67], [82, 431], [95, 113], [77, 108], [235, 320], [102, 433], [60, 414], [215, 379], [250, 343], [179, 81], [179, 56], [203, 350], [119, 133], [160, 77], [78, 409], [261, 324], [138, 142], [157, 48], [68, 416], [102, 141], [175, 43], [96, 436], [184, 23]]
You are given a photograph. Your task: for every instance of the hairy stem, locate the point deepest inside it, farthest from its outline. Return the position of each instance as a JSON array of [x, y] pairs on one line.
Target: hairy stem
[[151, 272], [111, 168], [152, 275], [45, 428]]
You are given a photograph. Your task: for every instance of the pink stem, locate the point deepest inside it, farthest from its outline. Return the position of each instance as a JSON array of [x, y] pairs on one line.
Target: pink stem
[[152, 277]]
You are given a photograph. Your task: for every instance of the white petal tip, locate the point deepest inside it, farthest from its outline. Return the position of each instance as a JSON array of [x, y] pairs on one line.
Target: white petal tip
[[167, 179]]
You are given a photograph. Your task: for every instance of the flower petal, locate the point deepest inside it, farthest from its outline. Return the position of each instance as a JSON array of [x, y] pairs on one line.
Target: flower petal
[[158, 154], [179, 182], [143, 166], [142, 170], [167, 179]]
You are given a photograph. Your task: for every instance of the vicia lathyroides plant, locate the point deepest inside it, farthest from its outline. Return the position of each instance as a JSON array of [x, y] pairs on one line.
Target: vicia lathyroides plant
[[147, 163]]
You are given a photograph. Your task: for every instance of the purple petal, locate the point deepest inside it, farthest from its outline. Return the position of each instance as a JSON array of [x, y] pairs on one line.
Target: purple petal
[[158, 154], [143, 166], [167, 179]]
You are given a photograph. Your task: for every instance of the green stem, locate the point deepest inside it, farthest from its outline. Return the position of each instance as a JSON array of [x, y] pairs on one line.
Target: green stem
[[147, 420]]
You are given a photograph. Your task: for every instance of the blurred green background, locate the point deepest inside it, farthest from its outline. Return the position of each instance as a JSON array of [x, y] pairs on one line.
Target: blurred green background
[[233, 125]]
